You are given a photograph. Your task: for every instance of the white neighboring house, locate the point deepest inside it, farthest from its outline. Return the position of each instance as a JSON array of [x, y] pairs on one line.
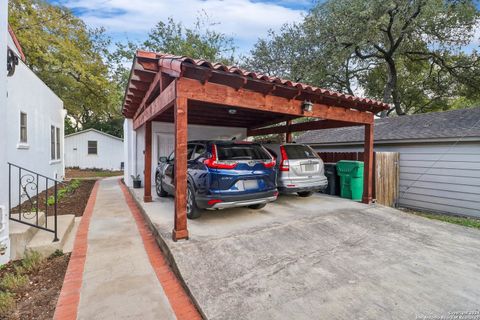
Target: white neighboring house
[[32, 126], [93, 149]]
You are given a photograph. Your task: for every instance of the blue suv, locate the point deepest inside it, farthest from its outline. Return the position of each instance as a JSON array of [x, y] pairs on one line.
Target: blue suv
[[222, 174]]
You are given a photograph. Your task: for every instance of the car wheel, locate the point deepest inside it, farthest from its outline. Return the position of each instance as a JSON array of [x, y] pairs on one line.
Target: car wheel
[[257, 206], [305, 193], [193, 212], [158, 186]]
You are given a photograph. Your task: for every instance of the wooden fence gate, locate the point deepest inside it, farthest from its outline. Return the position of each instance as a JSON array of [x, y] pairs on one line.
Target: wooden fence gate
[[386, 173]]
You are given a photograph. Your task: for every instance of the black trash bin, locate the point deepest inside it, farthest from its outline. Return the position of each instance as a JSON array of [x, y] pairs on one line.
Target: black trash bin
[[333, 187]]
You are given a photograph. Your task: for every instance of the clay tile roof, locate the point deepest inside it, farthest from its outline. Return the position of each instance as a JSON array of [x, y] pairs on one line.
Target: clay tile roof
[[177, 63]]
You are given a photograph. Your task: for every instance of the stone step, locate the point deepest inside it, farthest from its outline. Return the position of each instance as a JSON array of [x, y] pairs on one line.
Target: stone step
[[43, 243], [21, 234]]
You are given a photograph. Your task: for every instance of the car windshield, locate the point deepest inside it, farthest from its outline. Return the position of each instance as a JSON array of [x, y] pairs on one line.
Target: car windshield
[[242, 152], [299, 152]]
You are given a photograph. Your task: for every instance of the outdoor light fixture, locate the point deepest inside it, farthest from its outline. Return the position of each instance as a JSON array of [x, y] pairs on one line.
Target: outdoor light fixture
[[12, 61], [307, 106], [232, 111]]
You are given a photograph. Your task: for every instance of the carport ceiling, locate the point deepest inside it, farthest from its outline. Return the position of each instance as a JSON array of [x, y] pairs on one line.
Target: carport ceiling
[[220, 115]]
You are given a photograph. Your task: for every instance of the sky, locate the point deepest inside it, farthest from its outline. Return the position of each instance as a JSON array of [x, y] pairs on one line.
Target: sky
[[243, 20]]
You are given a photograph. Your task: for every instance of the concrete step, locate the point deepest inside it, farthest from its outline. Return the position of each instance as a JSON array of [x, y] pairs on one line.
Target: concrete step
[[43, 243], [68, 246], [21, 234]]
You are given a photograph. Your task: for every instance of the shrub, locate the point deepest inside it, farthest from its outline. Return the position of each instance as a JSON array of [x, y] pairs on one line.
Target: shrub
[[7, 303], [70, 188], [57, 253], [31, 262], [13, 282]]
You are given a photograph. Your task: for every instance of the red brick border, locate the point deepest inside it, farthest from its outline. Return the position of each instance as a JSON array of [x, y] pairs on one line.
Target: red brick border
[[179, 300], [67, 304]]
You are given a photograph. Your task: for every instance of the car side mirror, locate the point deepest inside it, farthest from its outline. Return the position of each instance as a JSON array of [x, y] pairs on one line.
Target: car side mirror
[[162, 160]]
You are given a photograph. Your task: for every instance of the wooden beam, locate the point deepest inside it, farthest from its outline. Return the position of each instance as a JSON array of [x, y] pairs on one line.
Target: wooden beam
[[147, 172], [161, 103], [156, 84], [288, 134], [180, 230], [139, 85], [270, 123], [368, 165], [303, 126], [148, 64], [225, 95]]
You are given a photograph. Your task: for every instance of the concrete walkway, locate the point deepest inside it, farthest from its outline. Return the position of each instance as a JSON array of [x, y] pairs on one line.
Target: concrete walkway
[[117, 270], [118, 280]]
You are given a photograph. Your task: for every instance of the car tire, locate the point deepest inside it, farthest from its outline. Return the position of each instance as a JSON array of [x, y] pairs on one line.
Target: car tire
[[158, 187], [193, 212], [305, 194], [257, 206]]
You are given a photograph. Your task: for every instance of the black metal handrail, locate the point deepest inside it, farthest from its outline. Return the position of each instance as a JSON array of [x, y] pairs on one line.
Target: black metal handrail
[[29, 183]]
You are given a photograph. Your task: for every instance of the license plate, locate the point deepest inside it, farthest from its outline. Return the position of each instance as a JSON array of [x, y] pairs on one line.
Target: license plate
[[308, 167], [250, 184]]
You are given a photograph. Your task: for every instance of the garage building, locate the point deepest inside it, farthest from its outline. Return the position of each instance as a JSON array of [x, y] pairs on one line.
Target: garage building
[[439, 157]]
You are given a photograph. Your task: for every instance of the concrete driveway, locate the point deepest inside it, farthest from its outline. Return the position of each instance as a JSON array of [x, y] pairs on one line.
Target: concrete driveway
[[323, 258]]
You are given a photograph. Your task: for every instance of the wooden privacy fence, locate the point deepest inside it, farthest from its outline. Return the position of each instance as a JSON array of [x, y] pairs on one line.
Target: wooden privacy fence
[[386, 173]]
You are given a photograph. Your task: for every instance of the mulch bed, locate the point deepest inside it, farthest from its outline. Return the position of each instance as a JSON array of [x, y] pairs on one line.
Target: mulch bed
[[71, 173], [71, 203], [38, 299]]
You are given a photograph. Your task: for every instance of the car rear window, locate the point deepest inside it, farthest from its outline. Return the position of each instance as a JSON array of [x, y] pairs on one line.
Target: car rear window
[[299, 152], [241, 152]]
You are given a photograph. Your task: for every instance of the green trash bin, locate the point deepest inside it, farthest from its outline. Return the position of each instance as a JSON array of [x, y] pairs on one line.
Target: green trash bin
[[351, 179]]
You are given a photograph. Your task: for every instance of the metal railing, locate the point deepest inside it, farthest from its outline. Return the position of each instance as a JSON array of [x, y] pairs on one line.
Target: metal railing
[[33, 196]]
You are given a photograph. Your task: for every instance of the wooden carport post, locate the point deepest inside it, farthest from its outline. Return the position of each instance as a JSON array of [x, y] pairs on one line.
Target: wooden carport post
[[181, 133], [368, 164], [147, 171], [288, 134]]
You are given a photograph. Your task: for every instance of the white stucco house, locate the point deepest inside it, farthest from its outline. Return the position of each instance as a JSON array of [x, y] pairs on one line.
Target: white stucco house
[[163, 139], [31, 127], [93, 149]]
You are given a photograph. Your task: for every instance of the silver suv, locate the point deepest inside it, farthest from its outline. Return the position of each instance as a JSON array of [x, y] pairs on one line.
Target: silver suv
[[299, 168]]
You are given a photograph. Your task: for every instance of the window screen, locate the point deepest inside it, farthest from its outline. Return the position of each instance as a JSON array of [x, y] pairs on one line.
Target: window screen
[[58, 142], [92, 147], [299, 152], [52, 142], [242, 152], [23, 127]]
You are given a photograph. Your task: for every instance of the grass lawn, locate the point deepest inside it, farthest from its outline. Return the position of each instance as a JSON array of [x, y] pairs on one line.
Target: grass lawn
[[463, 221], [71, 173]]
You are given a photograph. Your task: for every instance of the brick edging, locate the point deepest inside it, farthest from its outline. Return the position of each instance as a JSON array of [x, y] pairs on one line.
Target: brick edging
[[69, 299], [178, 297]]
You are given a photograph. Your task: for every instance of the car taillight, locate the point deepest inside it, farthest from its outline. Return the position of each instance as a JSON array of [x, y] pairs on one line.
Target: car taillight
[[284, 165], [269, 164], [214, 164]]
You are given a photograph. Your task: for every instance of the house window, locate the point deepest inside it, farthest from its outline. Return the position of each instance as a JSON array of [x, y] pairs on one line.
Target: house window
[[58, 142], [52, 143], [23, 127], [92, 147]]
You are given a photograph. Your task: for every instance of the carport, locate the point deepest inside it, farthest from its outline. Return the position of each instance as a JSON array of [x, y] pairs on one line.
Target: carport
[[184, 91]]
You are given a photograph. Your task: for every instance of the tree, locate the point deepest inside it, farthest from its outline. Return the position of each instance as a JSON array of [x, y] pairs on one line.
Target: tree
[[198, 42], [388, 31], [368, 44], [68, 57]]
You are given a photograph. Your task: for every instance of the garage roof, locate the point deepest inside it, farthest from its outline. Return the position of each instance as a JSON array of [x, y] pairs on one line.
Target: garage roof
[[147, 64], [434, 125]]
